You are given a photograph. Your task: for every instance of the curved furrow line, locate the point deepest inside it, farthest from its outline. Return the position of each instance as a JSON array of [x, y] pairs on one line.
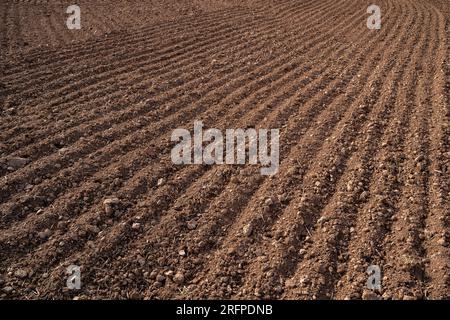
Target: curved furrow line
[[62, 56], [274, 192], [197, 205], [103, 73], [87, 98], [403, 258], [67, 98], [111, 48], [292, 77], [70, 106], [436, 135], [55, 55], [60, 78], [124, 116], [162, 28], [363, 168], [378, 214], [296, 226], [319, 274], [187, 212], [256, 224]]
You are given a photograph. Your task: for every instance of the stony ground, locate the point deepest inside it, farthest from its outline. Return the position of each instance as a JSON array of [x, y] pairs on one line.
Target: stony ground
[[86, 176]]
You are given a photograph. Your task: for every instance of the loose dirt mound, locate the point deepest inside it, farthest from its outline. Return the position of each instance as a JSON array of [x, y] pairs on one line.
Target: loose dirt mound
[[87, 116]]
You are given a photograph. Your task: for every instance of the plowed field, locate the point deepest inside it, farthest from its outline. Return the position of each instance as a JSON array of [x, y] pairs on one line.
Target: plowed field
[[87, 115]]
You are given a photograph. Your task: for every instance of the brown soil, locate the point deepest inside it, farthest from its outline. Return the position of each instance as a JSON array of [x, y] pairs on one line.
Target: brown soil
[[364, 173]]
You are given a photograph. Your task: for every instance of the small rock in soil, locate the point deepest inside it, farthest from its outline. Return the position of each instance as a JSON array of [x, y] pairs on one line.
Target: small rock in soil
[[168, 273], [247, 230], [153, 274], [191, 225], [290, 284], [136, 226], [160, 278], [140, 260], [178, 278], [8, 289], [109, 203], [21, 273], [17, 162], [269, 202], [441, 242], [93, 229], [370, 295], [44, 234]]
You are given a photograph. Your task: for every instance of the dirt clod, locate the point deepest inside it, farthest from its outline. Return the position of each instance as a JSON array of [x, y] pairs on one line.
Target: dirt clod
[[89, 124], [178, 278]]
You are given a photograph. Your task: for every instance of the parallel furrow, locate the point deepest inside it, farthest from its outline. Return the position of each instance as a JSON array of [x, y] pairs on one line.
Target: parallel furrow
[[236, 97], [122, 146]]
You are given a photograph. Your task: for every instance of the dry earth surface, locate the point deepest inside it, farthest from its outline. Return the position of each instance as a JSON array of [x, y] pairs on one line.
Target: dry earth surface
[[86, 116]]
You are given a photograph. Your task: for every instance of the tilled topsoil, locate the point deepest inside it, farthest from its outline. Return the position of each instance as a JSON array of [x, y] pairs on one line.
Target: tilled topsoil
[[86, 176]]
